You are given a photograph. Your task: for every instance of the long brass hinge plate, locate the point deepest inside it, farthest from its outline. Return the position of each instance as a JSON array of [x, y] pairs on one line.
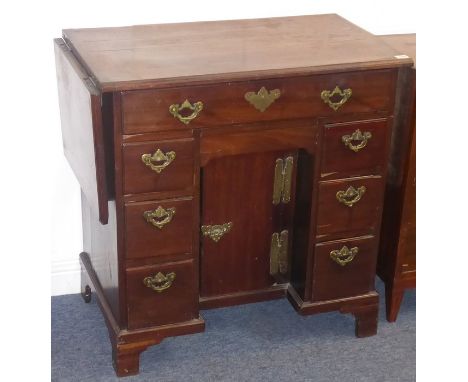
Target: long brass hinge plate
[[279, 253], [282, 180]]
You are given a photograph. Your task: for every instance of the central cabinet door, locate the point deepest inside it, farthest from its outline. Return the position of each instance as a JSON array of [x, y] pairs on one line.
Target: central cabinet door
[[239, 216]]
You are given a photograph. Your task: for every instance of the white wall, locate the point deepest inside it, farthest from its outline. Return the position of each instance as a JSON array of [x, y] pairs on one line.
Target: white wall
[[49, 229]]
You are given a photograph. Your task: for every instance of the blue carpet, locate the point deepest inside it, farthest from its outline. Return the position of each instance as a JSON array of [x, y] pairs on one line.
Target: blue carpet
[[265, 342]]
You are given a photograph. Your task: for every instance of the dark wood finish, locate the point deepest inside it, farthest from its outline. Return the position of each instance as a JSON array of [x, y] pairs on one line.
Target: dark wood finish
[[333, 281], [397, 257], [100, 243], [178, 303], [339, 161], [82, 130], [177, 176], [127, 345], [244, 198], [145, 240], [224, 104], [245, 297], [149, 55], [364, 308], [336, 220], [115, 89]]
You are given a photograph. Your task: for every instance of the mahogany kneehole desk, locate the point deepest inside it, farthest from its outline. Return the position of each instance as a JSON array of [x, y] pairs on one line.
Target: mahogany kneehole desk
[[225, 163]]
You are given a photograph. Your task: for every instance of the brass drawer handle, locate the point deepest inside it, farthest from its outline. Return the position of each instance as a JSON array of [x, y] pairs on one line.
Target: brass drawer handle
[[196, 108], [344, 255], [351, 196], [357, 136], [159, 282], [158, 156], [160, 216], [327, 95], [216, 232], [263, 98]]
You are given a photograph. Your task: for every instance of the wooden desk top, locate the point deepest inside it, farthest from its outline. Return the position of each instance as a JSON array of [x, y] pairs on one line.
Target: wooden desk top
[[404, 43], [144, 56]]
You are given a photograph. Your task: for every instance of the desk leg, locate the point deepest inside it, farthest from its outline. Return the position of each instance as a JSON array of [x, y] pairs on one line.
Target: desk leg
[[126, 359], [366, 320]]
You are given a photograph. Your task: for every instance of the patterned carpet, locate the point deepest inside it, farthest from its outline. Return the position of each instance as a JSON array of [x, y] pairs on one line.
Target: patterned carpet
[[265, 342]]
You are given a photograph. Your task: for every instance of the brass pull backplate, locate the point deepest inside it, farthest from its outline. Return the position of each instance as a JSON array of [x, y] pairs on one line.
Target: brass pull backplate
[[327, 96], [159, 282], [282, 180], [159, 160], [357, 136], [344, 255], [175, 110], [216, 232], [351, 196], [263, 98], [160, 216], [279, 253]]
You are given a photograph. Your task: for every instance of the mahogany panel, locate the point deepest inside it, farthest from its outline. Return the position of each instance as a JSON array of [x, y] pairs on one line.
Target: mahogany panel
[[235, 191], [178, 303], [224, 104], [332, 281], [336, 220], [177, 176], [142, 239], [340, 161], [82, 129]]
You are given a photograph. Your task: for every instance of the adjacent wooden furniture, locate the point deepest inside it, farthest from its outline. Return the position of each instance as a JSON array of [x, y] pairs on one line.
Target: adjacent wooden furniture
[[224, 163], [397, 255]]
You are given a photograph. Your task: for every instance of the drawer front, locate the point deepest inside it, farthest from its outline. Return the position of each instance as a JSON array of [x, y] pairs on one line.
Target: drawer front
[[158, 228], [354, 149], [357, 212], [158, 166], [344, 268], [244, 102], [162, 294]]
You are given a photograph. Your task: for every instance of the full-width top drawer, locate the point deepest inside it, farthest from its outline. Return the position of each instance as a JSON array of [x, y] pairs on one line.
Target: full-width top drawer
[[254, 101]]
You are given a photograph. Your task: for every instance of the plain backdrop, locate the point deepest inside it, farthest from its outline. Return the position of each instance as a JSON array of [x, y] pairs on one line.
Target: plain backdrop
[[40, 231]]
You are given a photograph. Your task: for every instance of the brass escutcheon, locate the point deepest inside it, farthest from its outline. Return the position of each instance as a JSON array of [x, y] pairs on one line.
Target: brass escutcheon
[[351, 196], [357, 136], [160, 216], [263, 98], [344, 255], [216, 232], [158, 156], [327, 95], [175, 110], [159, 282]]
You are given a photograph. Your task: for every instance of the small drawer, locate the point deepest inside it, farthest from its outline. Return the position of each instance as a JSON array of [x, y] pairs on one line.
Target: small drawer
[[257, 101], [158, 166], [349, 207], [159, 228], [354, 149], [344, 268], [162, 294]]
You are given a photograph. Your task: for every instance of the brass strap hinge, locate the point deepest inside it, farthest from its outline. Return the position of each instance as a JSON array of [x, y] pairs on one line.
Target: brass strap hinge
[[282, 180], [279, 253]]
